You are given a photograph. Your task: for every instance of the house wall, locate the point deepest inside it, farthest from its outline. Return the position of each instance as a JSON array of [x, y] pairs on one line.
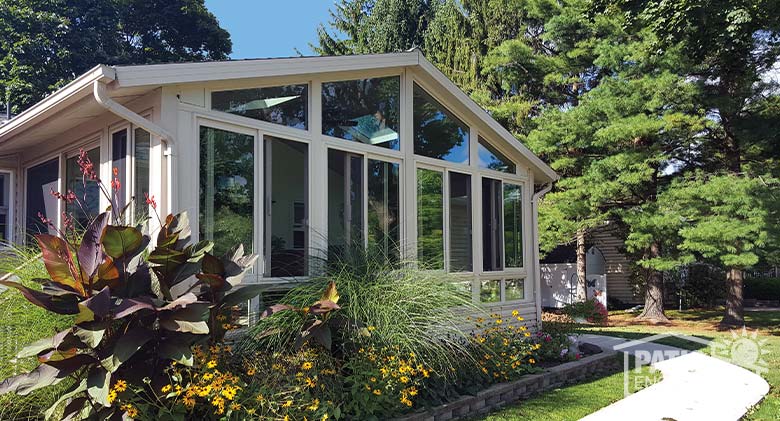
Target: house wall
[[187, 107]]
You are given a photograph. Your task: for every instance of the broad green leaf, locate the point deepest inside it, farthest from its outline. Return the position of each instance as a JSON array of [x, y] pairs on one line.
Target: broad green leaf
[[91, 337], [126, 347], [119, 241], [178, 350], [73, 391], [242, 294], [98, 385]]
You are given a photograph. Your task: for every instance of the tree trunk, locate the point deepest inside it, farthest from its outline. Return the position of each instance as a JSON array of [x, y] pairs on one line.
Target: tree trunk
[[582, 286], [654, 293], [735, 312]]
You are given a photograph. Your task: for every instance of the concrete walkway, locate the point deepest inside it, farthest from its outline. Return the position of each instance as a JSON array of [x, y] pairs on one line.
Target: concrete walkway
[[695, 386]]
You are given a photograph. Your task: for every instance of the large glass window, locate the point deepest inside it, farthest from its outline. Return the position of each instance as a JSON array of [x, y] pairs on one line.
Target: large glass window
[[87, 191], [437, 132], [41, 180], [5, 192], [514, 289], [492, 246], [383, 208], [430, 218], [285, 105], [364, 110], [119, 162], [490, 291], [490, 158], [286, 213], [141, 150], [460, 223], [345, 201], [226, 188], [513, 226]]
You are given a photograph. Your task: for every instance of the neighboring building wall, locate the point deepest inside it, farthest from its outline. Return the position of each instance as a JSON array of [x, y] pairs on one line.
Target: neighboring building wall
[[618, 266]]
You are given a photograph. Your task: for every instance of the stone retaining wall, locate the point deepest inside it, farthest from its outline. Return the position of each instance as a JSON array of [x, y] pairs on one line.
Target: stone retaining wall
[[502, 394]]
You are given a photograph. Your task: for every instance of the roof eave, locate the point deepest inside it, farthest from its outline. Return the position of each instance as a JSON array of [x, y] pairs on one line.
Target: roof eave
[[74, 90]]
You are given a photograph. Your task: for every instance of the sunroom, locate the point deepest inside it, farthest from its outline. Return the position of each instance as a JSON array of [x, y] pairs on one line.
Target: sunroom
[[298, 159]]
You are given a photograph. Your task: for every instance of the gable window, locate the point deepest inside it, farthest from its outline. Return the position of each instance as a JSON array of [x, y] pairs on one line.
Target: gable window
[[87, 191], [226, 188], [284, 105], [286, 214], [41, 180], [363, 110], [437, 132], [5, 198], [490, 158]]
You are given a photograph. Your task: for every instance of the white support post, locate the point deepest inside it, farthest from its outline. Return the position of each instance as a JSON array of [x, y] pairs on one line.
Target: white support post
[[409, 176], [318, 176]]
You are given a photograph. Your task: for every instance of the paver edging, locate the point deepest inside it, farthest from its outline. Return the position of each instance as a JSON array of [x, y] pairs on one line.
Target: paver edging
[[501, 394]]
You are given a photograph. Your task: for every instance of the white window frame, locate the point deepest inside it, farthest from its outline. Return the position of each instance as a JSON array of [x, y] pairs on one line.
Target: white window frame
[[10, 200]]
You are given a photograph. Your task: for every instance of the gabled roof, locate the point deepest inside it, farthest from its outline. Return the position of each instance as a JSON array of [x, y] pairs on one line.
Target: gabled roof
[[136, 77]]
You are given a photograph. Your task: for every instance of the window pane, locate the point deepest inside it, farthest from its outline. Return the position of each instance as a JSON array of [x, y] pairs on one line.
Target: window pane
[[513, 226], [514, 289], [460, 223], [437, 132], [4, 197], [430, 219], [41, 180], [119, 162], [286, 172], [87, 192], [285, 105], [492, 159], [490, 291], [345, 201], [364, 110], [226, 189], [383, 208], [141, 173], [491, 225]]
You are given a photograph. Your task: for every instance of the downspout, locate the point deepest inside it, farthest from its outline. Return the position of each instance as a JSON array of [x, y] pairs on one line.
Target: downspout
[[538, 269], [169, 143]]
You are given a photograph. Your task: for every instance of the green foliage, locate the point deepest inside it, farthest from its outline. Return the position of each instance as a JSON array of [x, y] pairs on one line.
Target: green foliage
[[130, 315], [762, 288], [45, 43], [590, 310]]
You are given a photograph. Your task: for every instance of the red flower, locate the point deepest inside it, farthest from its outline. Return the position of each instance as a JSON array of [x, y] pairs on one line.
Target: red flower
[[150, 201]]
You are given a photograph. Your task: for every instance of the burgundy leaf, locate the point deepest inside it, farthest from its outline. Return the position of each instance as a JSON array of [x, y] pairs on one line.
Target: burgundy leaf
[[90, 252]]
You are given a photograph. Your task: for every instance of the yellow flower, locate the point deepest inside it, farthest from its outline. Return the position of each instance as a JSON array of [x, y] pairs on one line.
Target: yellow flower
[[377, 392], [310, 382], [120, 385], [404, 379], [166, 388], [208, 376], [189, 402], [111, 396], [371, 328], [250, 372], [235, 406], [532, 361], [526, 334], [413, 391], [499, 321], [314, 405], [324, 417], [515, 313], [307, 365], [211, 364], [287, 404]]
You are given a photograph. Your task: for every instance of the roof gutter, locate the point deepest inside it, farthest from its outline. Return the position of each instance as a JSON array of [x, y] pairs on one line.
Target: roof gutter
[[538, 267], [101, 96]]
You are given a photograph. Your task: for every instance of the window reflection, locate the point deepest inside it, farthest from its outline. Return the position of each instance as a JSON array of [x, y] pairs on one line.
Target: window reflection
[[492, 246], [437, 132], [513, 226], [226, 188], [285, 105], [345, 202], [41, 180], [514, 289], [383, 208], [490, 291], [460, 223], [87, 205], [141, 152], [430, 219], [286, 220], [364, 110], [492, 159]]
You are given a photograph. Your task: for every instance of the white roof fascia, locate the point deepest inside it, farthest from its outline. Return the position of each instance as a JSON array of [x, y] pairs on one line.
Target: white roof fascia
[[483, 115], [176, 73], [68, 93]]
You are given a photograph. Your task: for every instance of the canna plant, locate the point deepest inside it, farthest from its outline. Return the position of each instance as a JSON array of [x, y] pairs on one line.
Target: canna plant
[[136, 308]]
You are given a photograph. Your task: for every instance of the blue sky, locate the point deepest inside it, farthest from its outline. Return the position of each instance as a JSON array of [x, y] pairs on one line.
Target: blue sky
[[270, 28]]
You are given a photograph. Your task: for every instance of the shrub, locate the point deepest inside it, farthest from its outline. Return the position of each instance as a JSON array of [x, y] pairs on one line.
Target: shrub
[[590, 310], [553, 347], [134, 312], [762, 288], [503, 349]]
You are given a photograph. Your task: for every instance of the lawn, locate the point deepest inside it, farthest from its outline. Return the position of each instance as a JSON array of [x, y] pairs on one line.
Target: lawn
[[574, 402]]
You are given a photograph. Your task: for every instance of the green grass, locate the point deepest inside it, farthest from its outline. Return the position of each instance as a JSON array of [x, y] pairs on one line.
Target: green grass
[[575, 402], [22, 323], [569, 403]]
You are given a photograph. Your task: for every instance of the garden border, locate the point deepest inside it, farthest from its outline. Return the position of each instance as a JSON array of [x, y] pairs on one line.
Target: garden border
[[502, 394]]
